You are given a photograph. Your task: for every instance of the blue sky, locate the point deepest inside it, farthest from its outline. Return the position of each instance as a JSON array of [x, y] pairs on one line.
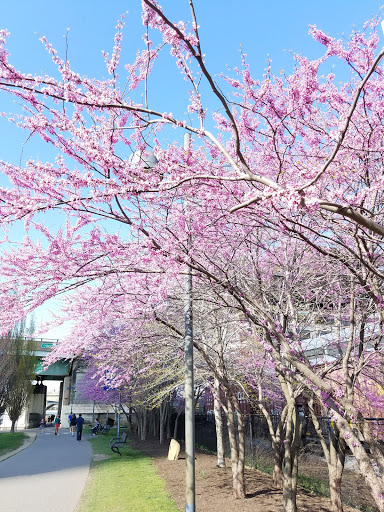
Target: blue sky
[[259, 28]]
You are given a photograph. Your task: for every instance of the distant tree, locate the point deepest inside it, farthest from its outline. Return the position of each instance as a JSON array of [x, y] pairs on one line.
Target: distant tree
[[6, 370], [18, 388]]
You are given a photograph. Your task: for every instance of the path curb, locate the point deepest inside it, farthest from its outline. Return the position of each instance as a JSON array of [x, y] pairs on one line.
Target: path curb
[[27, 442]]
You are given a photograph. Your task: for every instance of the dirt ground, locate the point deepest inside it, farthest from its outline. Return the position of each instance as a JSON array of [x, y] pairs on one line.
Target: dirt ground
[[214, 487]]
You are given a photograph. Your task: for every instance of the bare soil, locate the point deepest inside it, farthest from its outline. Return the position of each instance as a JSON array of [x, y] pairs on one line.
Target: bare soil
[[214, 485]]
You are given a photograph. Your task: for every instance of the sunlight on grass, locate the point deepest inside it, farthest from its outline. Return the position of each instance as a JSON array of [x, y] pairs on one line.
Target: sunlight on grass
[[124, 484], [9, 442]]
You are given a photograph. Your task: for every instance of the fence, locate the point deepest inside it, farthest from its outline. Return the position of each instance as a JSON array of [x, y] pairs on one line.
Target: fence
[[257, 432]]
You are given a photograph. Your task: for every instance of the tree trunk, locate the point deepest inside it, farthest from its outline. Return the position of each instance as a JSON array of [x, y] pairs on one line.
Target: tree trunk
[[176, 425], [291, 455], [138, 422], [374, 482], [161, 427], [335, 469], [128, 415], [143, 429], [277, 472], [241, 447], [277, 446], [335, 457], [169, 422], [218, 425], [153, 418], [162, 419], [335, 489], [129, 418], [12, 431], [237, 476]]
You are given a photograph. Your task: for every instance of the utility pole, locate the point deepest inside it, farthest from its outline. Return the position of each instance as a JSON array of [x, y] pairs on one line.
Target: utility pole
[[189, 380]]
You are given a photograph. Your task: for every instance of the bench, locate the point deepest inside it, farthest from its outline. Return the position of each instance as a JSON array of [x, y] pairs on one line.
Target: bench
[[116, 441]]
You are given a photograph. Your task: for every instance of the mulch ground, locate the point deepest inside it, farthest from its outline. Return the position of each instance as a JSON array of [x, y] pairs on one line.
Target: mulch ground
[[214, 485]]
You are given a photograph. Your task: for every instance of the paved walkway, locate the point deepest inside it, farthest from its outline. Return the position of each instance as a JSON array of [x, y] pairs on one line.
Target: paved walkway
[[48, 475]]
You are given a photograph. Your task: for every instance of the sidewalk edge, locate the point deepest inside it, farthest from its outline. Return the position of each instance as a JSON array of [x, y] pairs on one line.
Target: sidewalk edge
[[27, 442]]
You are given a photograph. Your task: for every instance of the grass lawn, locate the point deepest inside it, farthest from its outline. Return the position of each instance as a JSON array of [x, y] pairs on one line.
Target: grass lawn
[[9, 442], [123, 484]]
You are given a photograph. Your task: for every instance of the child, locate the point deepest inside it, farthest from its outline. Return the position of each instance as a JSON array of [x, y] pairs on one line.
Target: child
[[42, 425]]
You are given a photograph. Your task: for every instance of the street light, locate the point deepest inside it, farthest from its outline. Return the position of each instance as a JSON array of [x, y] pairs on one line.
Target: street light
[[189, 377], [148, 160], [145, 158]]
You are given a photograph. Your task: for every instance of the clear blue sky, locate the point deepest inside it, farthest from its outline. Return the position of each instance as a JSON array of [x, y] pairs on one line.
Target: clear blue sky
[[260, 28]]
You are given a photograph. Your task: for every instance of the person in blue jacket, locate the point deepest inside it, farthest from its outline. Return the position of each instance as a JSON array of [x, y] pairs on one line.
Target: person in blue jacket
[[79, 426]]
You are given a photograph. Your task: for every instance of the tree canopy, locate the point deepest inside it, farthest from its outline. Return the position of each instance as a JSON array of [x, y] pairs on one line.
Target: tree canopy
[[275, 205]]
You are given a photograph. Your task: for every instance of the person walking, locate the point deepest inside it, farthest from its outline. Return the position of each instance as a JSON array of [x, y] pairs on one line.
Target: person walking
[[42, 425], [73, 423], [57, 425], [79, 426]]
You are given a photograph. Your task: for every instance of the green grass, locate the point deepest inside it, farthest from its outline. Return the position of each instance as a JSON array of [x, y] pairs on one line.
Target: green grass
[[123, 484], [309, 483], [263, 467], [315, 485], [9, 442]]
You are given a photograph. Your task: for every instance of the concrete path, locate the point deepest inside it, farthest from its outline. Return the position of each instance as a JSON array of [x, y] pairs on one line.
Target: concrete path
[[31, 437], [49, 475]]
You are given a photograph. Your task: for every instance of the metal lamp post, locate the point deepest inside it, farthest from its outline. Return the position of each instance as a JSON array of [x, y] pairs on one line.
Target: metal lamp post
[[189, 378], [148, 160]]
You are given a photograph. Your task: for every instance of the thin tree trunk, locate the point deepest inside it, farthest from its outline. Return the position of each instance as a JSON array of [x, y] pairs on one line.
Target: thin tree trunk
[[241, 447], [277, 472], [218, 425], [237, 476], [237, 450], [335, 473], [176, 425], [288, 496], [128, 416], [153, 417], [143, 430], [374, 482], [276, 437], [162, 419], [336, 467], [138, 422], [291, 454], [335, 457], [169, 421]]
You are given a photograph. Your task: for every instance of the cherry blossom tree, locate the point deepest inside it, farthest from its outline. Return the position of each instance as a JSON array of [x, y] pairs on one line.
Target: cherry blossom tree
[[298, 156]]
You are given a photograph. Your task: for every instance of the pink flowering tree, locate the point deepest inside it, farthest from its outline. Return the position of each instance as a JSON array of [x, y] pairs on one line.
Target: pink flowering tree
[[296, 156], [122, 340]]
